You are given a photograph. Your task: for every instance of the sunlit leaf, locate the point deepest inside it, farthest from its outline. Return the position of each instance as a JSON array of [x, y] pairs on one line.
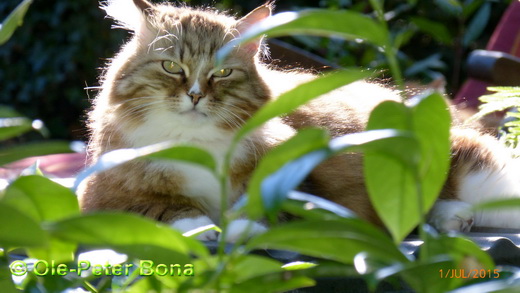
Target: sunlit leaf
[[41, 198], [502, 204], [302, 94], [14, 126], [259, 188], [298, 265], [251, 266], [44, 200], [338, 240], [338, 23], [130, 234], [294, 160], [14, 20], [160, 151], [395, 186]]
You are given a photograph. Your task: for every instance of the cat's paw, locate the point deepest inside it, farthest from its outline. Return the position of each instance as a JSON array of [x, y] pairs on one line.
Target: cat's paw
[[189, 226], [238, 228], [451, 215]]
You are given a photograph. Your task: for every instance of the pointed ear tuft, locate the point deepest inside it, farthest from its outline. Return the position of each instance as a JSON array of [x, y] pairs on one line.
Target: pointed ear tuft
[[127, 13], [143, 4], [254, 17]]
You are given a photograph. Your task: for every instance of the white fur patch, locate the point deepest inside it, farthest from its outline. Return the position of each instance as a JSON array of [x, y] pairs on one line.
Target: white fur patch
[[195, 89], [199, 183], [488, 185], [188, 224], [238, 228], [451, 215]]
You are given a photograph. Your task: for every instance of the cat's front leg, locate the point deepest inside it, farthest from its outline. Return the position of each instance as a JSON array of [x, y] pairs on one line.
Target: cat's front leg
[[189, 224], [451, 215], [236, 230], [243, 228]]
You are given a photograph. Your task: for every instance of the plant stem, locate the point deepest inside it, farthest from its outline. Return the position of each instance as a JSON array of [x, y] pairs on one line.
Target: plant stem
[[224, 192], [425, 252], [389, 49]]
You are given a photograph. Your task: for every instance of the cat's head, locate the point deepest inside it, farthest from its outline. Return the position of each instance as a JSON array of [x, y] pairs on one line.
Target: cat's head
[[170, 64]]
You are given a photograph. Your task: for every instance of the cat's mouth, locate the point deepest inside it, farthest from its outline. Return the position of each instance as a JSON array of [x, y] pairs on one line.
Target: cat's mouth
[[194, 114]]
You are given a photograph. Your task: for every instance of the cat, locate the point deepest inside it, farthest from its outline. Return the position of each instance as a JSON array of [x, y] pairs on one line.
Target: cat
[[163, 86]]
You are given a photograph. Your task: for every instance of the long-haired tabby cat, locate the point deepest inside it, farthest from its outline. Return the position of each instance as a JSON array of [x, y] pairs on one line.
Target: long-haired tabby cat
[[164, 86]]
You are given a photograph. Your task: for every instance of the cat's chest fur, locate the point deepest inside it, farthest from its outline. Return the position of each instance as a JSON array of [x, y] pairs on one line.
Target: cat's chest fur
[[196, 182]]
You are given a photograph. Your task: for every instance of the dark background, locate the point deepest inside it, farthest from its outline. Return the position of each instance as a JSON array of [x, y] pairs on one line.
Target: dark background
[[62, 45]]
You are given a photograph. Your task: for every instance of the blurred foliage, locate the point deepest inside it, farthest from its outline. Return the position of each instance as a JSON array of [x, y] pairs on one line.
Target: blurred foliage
[[58, 51], [47, 63]]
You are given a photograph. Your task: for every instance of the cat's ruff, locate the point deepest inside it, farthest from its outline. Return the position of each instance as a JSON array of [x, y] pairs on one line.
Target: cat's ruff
[[163, 85]]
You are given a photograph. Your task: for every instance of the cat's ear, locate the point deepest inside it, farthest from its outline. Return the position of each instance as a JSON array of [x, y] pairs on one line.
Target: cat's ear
[[254, 17], [143, 5], [130, 14]]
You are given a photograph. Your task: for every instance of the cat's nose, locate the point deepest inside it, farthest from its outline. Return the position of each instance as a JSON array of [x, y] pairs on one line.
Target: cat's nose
[[195, 97]]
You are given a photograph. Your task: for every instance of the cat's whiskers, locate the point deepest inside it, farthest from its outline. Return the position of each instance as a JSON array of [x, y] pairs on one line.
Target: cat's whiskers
[[238, 109], [226, 115], [223, 118], [235, 118], [139, 109]]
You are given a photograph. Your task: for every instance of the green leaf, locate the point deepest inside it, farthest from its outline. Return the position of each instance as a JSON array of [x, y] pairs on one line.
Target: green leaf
[[508, 203], [44, 200], [395, 185], [19, 230], [12, 154], [289, 101], [41, 198], [452, 7], [338, 240], [435, 29], [186, 154], [302, 154], [432, 123], [12, 21], [250, 270], [131, 234], [305, 141], [288, 165], [424, 276], [298, 265], [159, 151], [461, 256], [278, 282], [6, 279], [460, 249], [337, 23], [470, 6], [477, 25], [14, 126], [251, 266]]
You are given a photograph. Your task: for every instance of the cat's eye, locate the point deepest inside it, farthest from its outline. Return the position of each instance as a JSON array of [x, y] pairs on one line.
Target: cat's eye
[[224, 72], [172, 67]]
